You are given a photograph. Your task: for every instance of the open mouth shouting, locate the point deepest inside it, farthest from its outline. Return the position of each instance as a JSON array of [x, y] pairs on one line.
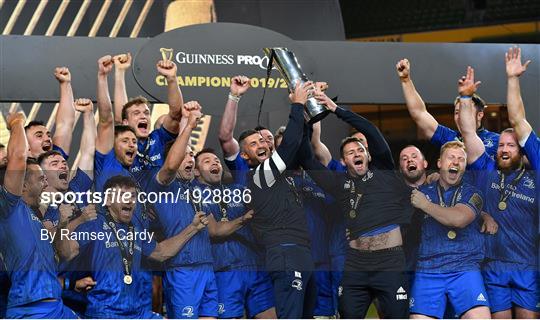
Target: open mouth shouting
[[215, 170], [262, 153], [63, 176], [143, 127], [453, 172], [46, 145], [411, 167]]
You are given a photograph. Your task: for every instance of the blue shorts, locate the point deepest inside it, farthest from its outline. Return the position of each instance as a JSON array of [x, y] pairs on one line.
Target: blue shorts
[[324, 305], [42, 310], [191, 292], [243, 289], [464, 290], [510, 284]]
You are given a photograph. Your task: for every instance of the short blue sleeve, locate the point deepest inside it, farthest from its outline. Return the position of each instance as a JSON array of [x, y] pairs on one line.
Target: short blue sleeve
[[7, 201], [443, 135], [532, 150], [472, 198], [336, 165]]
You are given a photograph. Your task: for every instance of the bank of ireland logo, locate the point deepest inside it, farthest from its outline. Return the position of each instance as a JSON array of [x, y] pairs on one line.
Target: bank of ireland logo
[[187, 311]]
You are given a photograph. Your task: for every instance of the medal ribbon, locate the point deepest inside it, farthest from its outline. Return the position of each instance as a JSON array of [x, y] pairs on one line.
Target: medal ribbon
[[127, 253], [354, 198], [503, 191]]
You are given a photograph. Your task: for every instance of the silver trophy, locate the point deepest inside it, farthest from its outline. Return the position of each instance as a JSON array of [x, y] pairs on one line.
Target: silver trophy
[[286, 63]]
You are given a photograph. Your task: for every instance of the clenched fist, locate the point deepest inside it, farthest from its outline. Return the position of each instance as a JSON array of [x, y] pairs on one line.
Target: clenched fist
[[239, 85], [105, 65], [403, 68], [83, 105], [62, 74], [419, 200], [122, 61]]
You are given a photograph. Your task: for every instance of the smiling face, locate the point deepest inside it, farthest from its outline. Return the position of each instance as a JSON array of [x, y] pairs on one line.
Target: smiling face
[[451, 165], [138, 118], [412, 164], [509, 155], [208, 168], [3, 157], [254, 149], [39, 140], [125, 147], [56, 170], [356, 158]]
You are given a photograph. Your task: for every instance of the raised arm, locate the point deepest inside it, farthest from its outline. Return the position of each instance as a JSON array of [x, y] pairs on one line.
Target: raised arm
[[458, 216], [105, 127], [17, 152], [122, 62], [378, 147], [319, 148], [229, 145], [178, 150], [88, 137], [417, 108], [66, 247], [467, 116], [218, 229], [175, 99], [65, 116], [516, 109], [170, 247]]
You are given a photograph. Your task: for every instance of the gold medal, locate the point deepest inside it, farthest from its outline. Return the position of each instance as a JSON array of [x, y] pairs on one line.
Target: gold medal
[[502, 205], [352, 214], [128, 279], [224, 219], [451, 234]]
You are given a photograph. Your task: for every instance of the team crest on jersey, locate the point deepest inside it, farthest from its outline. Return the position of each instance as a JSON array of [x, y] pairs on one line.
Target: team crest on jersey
[[488, 143], [221, 308], [297, 284], [368, 176], [528, 183], [187, 311], [411, 303], [347, 184]]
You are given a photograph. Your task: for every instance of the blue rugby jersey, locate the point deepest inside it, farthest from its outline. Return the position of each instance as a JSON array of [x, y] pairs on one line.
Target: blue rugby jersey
[[150, 150], [336, 165], [315, 205], [111, 297], [531, 148], [444, 134], [238, 250], [107, 166], [175, 217], [239, 169], [29, 260], [438, 253], [515, 240], [80, 183]]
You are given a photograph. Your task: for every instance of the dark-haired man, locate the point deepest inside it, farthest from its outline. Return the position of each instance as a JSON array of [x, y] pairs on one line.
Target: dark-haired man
[[35, 290], [114, 257], [135, 113], [39, 136], [372, 197], [279, 221], [189, 283], [428, 126], [241, 285], [510, 192]]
